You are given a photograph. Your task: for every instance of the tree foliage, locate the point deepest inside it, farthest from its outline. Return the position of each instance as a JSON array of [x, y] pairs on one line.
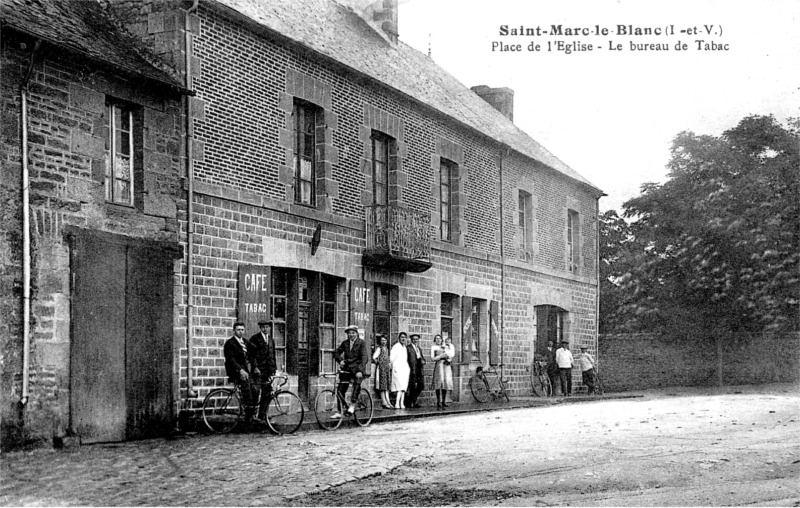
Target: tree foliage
[[718, 244]]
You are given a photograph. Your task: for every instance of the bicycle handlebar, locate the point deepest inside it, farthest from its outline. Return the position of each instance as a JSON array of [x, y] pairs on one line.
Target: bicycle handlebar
[[282, 376]]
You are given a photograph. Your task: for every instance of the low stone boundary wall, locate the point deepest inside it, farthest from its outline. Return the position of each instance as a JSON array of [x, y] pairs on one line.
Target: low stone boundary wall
[[643, 361]]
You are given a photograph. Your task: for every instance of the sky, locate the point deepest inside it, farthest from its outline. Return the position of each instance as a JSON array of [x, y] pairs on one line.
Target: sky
[[612, 115]]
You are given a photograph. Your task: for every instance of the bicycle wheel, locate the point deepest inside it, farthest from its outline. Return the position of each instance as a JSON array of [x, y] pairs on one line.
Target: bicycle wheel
[[503, 391], [222, 410], [598, 384], [547, 387], [325, 406], [536, 386], [364, 408], [285, 413], [480, 389]]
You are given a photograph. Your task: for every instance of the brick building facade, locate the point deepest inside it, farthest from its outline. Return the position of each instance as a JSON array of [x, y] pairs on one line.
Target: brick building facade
[[354, 180]]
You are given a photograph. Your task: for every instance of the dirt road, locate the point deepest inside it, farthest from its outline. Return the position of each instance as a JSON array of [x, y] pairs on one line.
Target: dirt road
[[690, 447], [684, 447]]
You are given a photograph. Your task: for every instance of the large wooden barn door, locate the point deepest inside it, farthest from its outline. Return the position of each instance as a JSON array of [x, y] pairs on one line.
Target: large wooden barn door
[[121, 361], [148, 342], [97, 361]]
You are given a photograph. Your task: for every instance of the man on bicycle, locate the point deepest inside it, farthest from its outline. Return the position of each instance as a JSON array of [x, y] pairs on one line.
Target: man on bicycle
[[240, 368], [353, 361], [261, 348]]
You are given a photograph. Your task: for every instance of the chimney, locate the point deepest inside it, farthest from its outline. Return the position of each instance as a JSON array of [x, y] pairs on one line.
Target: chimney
[[385, 16], [501, 99], [381, 15]]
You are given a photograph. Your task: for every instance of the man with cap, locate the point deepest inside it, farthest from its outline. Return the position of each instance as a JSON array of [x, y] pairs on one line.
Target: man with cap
[[240, 368], [587, 364], [261, 348], [564, 361], [416, 380], [353, 363]]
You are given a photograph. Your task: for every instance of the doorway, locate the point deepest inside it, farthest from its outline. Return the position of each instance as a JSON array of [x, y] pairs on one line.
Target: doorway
[[122, 335]]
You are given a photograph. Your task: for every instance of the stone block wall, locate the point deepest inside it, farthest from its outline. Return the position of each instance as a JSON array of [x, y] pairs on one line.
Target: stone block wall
[[642, 361], [67, 131]]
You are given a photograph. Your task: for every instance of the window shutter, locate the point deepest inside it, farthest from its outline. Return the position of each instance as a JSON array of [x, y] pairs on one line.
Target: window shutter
[[466, 329], [494, 333]]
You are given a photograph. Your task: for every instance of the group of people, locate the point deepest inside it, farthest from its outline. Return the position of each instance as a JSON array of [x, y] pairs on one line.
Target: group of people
[[252, 363], [401, 370], [560, 363]]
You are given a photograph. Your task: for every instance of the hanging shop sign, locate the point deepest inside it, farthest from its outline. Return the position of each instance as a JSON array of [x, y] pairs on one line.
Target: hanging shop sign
[[253, 296]]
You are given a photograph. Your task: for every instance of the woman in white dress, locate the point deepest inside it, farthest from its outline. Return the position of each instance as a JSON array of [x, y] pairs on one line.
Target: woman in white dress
[[442, 371], [400, 370]]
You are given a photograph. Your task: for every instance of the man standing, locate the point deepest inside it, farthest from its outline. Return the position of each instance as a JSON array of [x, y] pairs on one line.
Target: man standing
[[587, 364], [240, 369], [552, 365], [261, 349], [416, 380], [353, 363], [564, 360]]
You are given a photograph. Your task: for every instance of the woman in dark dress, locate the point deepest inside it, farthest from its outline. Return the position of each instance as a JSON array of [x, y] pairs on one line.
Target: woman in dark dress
[[383, 370]]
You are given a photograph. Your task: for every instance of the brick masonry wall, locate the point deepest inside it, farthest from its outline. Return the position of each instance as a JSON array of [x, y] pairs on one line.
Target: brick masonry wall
[[245, 138], [642, 361], [67, 125]]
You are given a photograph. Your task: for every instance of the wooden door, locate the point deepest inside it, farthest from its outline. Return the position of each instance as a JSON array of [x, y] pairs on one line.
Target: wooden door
[[148, 342], [97, 360], [121, 356]]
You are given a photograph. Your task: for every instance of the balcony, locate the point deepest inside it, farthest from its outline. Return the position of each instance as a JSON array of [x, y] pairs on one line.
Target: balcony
[[398, 239]]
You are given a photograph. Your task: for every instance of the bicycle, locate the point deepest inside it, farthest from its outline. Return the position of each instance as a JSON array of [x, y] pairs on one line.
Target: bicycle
[[598, 383], [223, 410], [487, 385], [328, 402], [540, 381]]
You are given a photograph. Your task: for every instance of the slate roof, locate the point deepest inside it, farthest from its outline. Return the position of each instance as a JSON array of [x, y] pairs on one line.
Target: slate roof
[[82, 26], [335, 31]]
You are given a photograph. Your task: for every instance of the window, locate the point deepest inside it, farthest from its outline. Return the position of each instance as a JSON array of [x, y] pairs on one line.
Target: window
[[119, 155], [305, 153], [447, 171], [447, 315], [475, 342], [449, 303], [549, 324], [572, 241], [524, 226], [382, 313], [327, 324], [380, 168], [280, 286]]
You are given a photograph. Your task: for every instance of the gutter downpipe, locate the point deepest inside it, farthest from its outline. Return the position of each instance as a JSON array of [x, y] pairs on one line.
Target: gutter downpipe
[[190, 392], [26, 232], [503, 153], [597, 291]]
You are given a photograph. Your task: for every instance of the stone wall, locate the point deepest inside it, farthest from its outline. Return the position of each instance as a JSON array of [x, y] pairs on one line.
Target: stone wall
[[67, 133], [642, 361]]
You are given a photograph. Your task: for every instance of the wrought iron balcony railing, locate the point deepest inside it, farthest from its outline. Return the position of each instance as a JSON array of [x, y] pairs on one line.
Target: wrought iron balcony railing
[[398, 239]]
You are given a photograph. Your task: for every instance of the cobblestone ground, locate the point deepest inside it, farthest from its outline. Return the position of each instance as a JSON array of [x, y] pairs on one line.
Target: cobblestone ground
[[737, 447], [231, 470]]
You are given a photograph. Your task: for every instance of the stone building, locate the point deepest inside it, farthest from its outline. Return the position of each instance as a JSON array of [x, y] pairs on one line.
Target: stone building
[[335, 176], [91, 151]]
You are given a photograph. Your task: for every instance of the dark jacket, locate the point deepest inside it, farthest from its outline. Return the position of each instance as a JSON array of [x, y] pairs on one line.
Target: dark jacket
[[235, 359], [356, 358], [416, 363], [262, 355]]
